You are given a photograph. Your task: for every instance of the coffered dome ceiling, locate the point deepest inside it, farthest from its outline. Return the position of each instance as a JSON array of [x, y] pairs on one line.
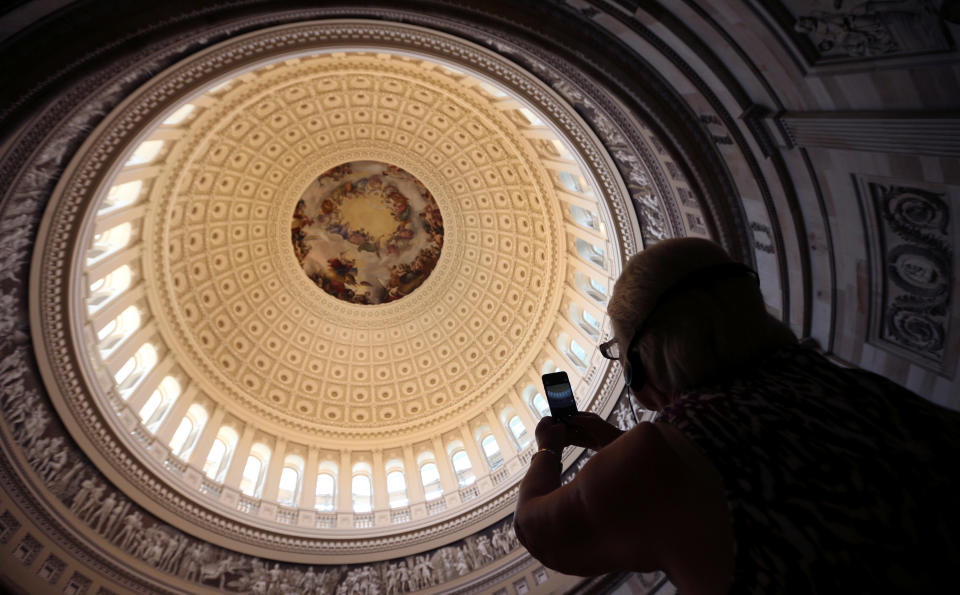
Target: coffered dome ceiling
[[235, 307], [326, 253]]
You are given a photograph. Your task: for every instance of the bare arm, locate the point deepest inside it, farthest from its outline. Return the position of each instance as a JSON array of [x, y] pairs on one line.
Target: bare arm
[[593, 524]]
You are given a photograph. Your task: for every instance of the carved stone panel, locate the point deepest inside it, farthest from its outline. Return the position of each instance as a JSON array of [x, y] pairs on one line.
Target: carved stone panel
[[27, 550], [77, 585], [912, 235], [839, 31], [8, 526], [51, 569]]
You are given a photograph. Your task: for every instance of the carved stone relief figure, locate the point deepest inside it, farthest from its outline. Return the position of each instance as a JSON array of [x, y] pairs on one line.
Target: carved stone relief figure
[[858, 29]]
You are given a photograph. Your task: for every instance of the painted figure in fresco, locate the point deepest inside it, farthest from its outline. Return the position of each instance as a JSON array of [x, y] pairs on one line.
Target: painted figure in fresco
[[367, 233]]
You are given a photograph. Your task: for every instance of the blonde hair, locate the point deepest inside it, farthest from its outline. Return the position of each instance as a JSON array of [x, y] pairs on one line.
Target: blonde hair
[[698, 334]]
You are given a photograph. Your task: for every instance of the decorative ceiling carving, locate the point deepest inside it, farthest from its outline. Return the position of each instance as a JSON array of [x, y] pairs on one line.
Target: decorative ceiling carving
[[232, 295]]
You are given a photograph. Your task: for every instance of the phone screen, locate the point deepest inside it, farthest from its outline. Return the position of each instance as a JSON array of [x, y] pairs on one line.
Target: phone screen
[[559, 394]]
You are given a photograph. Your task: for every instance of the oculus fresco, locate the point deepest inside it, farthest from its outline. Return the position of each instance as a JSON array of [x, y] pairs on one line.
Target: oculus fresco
[[367, 232]]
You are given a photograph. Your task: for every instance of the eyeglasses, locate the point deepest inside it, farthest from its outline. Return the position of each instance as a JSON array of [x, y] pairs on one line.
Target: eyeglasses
[[610, 349]]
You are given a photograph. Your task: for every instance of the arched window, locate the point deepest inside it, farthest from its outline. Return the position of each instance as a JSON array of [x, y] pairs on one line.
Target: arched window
[[166, 394], [549, 367], [180, 436], [113, 284], [491, 450], [132, 372], [122, 195], [396, 484], [288, 491], [571, 182], [584, 319], [109, 241], [220, 452], [585, 218], [180, 115], [362, 488], [118, 329], [578, 351], [519, 432], [326, 490], [251, 480], [146, 152], [589, 287], [430, 478], [531, 117], [589, 252], [190, 427], [574, 352], [536, 401], [462, 467]]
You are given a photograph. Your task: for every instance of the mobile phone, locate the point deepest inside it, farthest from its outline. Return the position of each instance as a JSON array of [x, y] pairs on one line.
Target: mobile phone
[[559, 395]]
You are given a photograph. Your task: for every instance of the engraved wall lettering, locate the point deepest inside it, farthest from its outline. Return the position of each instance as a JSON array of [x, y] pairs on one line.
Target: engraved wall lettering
[[762, 237]]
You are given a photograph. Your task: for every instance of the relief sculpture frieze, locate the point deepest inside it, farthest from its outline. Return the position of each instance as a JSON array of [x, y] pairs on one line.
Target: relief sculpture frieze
[[912, 238], [842, 31]]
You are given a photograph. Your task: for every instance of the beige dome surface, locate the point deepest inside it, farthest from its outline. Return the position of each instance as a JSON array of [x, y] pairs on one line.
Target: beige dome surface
[[234, 398], [242, 318]]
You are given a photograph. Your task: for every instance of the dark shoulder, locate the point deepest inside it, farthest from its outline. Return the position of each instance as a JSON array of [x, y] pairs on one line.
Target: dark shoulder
[[628, 462]]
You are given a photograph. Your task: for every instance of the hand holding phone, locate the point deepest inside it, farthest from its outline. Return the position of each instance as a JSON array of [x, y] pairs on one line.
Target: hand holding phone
[[559, 395]]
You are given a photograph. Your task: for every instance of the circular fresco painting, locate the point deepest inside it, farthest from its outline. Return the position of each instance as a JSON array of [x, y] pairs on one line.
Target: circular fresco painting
[[367, 232]]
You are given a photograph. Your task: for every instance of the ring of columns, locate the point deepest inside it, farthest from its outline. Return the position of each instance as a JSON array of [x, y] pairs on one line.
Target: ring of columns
[[233, 398]]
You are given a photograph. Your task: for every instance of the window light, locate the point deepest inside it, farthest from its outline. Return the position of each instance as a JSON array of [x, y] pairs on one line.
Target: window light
[[584, 217], [571, 182], [110, 241], [430, 477], [146, 152], [122, 195], [492, 451], [325, 492], [519, 431], [251, 475], [179, 439], [215, 458], [118, 329], [289, 486], [531, 117], [182, 113], [130, 374], [463, 468], [397, 489], [540, 405], [114, 283], [362, 489], [589, 252]]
